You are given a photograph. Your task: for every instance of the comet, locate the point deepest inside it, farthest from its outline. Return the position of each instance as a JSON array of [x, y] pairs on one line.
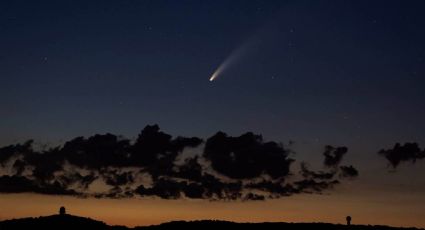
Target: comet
[[214, 75], [233, 58]]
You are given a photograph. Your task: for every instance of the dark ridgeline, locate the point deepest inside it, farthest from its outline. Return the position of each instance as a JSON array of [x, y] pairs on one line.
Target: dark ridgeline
[[53, 222], [211, 224], [66, 221]]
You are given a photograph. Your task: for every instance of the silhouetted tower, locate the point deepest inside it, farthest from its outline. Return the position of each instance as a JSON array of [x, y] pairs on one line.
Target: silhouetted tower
[[348, 218], [62, 211]]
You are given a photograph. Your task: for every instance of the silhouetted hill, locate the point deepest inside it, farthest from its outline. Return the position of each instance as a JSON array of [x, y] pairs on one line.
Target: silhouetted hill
[[209, 224], [82, 223], [55, 222]]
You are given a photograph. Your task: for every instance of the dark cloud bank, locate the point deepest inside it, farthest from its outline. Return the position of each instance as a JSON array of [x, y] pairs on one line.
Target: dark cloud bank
[[408, 152], [156, 164]]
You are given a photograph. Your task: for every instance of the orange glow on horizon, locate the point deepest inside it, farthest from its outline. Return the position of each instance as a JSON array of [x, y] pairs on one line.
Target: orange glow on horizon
[[395, 210]]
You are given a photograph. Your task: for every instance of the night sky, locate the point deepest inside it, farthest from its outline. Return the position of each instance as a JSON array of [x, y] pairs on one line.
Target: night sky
[[301, 73]]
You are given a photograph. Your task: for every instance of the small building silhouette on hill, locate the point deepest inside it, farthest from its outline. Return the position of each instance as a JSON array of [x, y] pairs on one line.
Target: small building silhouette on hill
[[62, 211], [348, 218]]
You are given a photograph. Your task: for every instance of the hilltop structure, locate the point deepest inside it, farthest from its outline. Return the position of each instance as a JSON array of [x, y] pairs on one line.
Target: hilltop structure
[[62, 211], [348, 218]]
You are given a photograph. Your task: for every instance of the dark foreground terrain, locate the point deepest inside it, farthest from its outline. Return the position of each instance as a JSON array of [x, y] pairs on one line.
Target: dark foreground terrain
[[81, 223]]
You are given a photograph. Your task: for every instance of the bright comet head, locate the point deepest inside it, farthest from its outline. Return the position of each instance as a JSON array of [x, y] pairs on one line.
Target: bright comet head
[[213, 76]]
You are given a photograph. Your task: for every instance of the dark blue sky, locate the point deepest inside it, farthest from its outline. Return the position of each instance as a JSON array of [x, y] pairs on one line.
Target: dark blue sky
[[343, 72]]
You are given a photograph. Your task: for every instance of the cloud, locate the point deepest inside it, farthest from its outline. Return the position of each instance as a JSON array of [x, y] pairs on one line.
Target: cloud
[[314, 186], [318, 181], [246, 156], [19, 166], [116, 178], [316, 175], [253, 196], [402, 153], [334, 155], [242, 168], [96, 152], [164, 188], [153, 145], [191, 169], [8, 151], [19, 184], [75, 178], [348, 171], [274, 188]]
